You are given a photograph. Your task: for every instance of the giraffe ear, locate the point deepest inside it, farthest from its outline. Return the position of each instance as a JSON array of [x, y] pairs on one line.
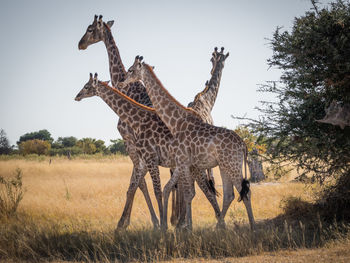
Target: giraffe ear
[[110, 23]]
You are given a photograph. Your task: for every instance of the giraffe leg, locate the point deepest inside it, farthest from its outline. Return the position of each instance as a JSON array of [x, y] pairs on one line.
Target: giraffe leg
[[201, 179], [154, 172], [174, 216], [166, 192], [134, 183], [181, 206], [143, 187], [174, 206], [189, 193], [247, 202], [228, 196]]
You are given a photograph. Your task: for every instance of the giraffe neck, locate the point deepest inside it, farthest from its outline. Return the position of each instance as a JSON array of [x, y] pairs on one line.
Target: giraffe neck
[[117, 71], [205, 100], [128, 110], [170, 111], [116, 67], [213, 86]]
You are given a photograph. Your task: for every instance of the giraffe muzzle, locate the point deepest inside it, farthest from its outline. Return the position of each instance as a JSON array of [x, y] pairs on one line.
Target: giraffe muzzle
[[82, 46]]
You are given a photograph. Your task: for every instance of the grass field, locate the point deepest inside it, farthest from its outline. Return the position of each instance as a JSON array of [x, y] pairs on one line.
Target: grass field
[[71, 207]]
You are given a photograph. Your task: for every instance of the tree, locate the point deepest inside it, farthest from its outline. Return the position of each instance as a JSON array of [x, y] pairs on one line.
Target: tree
[[65, 146], [34, 146], [250, 139], [64, 142], [100, 146], [255, 151], [5, 147], [43, 135], [118, 146], [87, 145], [315, 62]]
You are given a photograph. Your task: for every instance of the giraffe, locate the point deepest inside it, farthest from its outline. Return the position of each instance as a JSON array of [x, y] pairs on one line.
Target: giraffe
[[100, 31], [196, 144], [203, 104], [155, 140], [204, 101]]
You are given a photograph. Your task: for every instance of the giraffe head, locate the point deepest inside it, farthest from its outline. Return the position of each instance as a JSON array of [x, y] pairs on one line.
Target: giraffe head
[[89, 89], [218, 57], [134, 72], [94, 32]]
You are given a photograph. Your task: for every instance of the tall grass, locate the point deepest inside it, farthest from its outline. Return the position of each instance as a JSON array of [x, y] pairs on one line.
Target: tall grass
[[11, 194], [25, 239]]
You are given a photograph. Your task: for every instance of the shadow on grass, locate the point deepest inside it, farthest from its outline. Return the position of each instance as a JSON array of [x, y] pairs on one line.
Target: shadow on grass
[[23, 239]]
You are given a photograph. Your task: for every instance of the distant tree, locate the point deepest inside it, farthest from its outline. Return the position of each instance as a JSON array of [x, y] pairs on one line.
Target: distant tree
[[5, 147], [250, 139], [87, 145], [118, 146], [67, 141], [43, 135], [100, 146], [4, 142], [36, 146], [255, 151]]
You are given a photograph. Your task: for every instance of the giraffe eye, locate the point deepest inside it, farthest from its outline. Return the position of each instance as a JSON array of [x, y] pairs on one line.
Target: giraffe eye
[[89, 30]]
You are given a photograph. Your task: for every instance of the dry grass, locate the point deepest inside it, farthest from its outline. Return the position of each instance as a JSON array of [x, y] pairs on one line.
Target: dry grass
[[332, 252], [95, 190], [70, 210]]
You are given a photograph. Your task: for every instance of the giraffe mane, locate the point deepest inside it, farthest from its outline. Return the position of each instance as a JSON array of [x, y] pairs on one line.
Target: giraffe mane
[[190, 110], [200, 94], [144, 107]]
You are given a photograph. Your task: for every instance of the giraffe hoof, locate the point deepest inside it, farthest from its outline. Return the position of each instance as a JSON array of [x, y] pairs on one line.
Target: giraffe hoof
[[119, 229], [173, 220], [221, 225], [155, 225]]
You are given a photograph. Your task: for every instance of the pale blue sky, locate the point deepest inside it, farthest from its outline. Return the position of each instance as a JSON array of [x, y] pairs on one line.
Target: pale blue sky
[[42, 69]]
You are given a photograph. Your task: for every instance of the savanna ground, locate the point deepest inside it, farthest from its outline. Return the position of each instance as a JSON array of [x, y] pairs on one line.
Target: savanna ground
[[71, 207]]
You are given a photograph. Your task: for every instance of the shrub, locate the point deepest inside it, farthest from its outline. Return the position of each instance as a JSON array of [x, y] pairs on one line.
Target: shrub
[[11, 194], [34, 146]]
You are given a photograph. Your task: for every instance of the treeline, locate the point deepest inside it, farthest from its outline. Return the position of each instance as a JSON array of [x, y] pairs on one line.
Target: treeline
[[41, 143]]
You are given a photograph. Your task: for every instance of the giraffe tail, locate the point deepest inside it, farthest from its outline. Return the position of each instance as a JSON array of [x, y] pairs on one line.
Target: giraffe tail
[[245, 183], [245, 190], [211, 186], [245, 160]]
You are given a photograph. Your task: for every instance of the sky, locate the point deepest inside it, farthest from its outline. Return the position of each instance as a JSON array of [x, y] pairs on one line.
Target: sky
[[42, 70]]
